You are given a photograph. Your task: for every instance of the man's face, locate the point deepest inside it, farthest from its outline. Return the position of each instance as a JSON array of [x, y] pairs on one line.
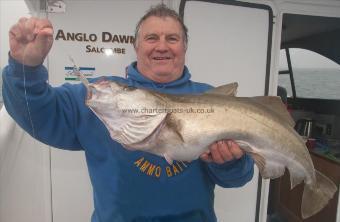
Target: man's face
[[160, 49]]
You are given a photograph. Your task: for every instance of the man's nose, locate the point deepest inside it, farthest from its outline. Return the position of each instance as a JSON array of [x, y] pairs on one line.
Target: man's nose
[[162, 45]]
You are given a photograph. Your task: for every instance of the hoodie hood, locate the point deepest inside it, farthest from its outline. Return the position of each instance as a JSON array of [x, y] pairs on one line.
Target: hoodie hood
[[135, 76]]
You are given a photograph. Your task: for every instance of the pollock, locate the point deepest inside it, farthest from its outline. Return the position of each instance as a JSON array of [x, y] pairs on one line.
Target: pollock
[[177, 127]]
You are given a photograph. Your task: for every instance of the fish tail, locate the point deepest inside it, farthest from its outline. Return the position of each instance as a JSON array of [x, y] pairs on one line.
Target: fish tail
[[316, 197]]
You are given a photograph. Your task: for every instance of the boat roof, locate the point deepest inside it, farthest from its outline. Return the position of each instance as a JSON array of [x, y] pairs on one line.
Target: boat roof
[[315, 33]]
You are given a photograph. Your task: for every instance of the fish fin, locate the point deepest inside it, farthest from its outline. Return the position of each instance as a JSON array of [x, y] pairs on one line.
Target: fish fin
[[268, 169], [227, 90], [168, 159], [139, 128], [275, 104], [259, 161], [296, 177], [316, 197], [175, 126], [273, 170], [295, 181]]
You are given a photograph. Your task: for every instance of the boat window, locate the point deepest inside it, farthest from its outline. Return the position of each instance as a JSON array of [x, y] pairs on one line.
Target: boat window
[[315, 76]]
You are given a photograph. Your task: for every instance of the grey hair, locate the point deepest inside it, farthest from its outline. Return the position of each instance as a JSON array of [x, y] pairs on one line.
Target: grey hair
[[162, 11]]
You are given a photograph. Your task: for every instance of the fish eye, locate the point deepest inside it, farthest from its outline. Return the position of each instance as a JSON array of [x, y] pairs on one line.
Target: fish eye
[[129, 88]]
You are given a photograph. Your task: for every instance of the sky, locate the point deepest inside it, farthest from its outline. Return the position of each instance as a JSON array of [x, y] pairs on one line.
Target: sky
[[306, 59]]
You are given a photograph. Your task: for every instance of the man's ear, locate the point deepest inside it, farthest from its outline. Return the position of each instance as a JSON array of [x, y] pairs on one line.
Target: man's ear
[[135, 44]]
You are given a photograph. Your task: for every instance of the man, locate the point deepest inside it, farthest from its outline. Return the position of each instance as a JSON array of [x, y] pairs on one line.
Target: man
[[127, 186]]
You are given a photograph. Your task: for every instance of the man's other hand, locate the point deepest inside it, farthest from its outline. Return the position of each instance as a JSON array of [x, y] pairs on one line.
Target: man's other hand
[[222, 151]]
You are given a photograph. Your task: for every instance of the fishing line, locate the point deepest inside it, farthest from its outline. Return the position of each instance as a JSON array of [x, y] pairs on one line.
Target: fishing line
[[25, 93], [33, 128]]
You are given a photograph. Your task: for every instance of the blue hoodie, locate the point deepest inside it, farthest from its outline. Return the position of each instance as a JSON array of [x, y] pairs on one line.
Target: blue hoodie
[[128, 186]]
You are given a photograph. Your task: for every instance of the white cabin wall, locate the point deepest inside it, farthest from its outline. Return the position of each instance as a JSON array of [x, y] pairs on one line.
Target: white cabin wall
[[228, 44], [24, 162], [10, 12]]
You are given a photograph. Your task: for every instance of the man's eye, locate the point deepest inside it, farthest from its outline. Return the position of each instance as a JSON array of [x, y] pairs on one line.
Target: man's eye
[[151, 38], [173, 39]]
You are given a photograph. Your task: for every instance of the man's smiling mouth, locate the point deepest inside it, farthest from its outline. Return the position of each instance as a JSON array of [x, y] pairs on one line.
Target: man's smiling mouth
[[161, 58]]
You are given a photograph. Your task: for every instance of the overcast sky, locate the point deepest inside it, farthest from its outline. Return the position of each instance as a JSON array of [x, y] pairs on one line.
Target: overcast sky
[[306, 59]]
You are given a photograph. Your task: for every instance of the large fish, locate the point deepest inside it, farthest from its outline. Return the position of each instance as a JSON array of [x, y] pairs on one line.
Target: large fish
[[181, 127]]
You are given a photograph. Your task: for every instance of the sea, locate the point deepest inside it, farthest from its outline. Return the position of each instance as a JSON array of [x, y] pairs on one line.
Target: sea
[[314, 83], [309, 83]]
